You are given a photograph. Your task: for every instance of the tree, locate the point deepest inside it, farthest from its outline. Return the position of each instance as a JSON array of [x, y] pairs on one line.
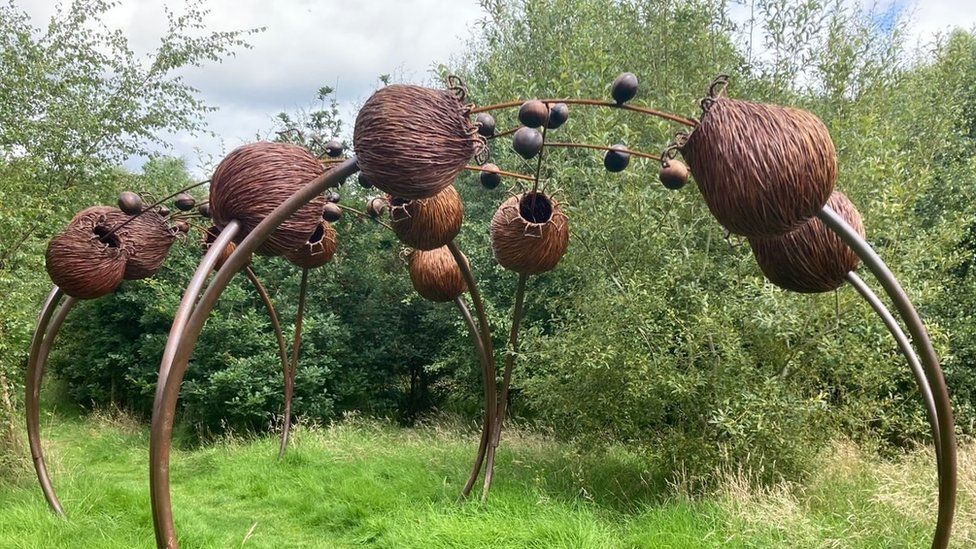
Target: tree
[[75, 101]]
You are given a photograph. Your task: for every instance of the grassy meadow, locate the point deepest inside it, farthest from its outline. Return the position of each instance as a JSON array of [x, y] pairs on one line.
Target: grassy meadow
[[366, 483]]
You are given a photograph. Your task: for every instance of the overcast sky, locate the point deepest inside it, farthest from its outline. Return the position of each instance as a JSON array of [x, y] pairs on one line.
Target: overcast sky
[[347, 45]]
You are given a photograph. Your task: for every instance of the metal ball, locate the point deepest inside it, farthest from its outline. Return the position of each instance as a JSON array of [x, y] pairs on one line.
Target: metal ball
[[624, 88], [486, 124], [527, 142], [533, 113], [130, 202], [617, 158]]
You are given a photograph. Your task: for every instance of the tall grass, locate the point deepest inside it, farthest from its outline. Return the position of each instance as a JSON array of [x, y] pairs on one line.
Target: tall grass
[[366, 483]]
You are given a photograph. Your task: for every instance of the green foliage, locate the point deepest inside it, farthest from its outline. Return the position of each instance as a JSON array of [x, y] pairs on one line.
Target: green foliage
[[657, 332], [363, 483], [75, 101]]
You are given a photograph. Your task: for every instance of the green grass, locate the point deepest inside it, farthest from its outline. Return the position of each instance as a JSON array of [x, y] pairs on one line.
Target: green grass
[[369, 484]]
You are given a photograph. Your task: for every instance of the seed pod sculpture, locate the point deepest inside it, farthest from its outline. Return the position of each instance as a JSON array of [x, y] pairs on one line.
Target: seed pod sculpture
[[427, 223], [763, 169], [86, 260], [412, 142], [435, 275], [151, 240], [208, 239], [811, 258], [255, 179], [529, 233], [319, 249]]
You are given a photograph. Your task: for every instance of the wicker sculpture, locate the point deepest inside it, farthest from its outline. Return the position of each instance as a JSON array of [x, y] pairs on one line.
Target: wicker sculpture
[[762, 169], [412, 142], [435, 275], [427, 223], [529, 233], [317, 250], [254, 179], [811, 258], [86, 260]]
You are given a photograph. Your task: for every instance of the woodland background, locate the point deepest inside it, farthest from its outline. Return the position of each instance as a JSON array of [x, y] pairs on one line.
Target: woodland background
[[656, 331]]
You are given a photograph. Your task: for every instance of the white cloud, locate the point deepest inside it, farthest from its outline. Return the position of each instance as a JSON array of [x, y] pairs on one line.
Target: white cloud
[[347, 45]]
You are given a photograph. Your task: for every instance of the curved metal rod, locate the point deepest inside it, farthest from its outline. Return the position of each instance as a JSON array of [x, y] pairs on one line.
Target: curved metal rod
[[485, 374], [187, 305], [930, 361], [499, 419], [905, 346], [491, 381], [275, 324], [35, 371], [292, 369], [595, 103], [165, 408]]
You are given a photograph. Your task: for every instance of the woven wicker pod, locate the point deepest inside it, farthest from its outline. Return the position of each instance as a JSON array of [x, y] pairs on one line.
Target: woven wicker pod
[[427, 223], [208, 239], [435, 275], [254, 179], [812, 258], [412, 142], [319, 248], [151, 241], [80, 263], [763, 169], [529, 233]]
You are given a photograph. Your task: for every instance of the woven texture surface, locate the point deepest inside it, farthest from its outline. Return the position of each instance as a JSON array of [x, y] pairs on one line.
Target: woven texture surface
[[812, 258], [254, 179], [81, 264], [435, 275], [523, 245], [763, 169], [412, 142], [427, 223], [318, 249]]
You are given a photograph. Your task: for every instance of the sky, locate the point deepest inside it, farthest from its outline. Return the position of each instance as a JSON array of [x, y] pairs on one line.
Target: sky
[[347, 45]]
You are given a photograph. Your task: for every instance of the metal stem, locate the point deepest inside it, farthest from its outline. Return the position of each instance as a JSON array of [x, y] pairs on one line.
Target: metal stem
[[502, 407], [275, 325], [595, 103], [292, 369], [930, 361], [150, 207], [491, 381], [501, 172], [486, 362], [35, 372], [165, 407], [158, 492], [568, 145], [905, 346]]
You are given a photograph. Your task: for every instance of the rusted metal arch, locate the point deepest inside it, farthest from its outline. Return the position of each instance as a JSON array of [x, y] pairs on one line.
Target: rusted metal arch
[[40, 343], [48, 327], [905, 346], [291, 369], [182, 344], [946, 455]]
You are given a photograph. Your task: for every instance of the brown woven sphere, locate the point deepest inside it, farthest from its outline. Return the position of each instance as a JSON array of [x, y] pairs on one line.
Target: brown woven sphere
[[319, 248], [529, 233], [763, 169], [427, 223], [812, 258], [151, 240], [254, 179], [80, 262], [435, 275], [209, 236], [412, 142]]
